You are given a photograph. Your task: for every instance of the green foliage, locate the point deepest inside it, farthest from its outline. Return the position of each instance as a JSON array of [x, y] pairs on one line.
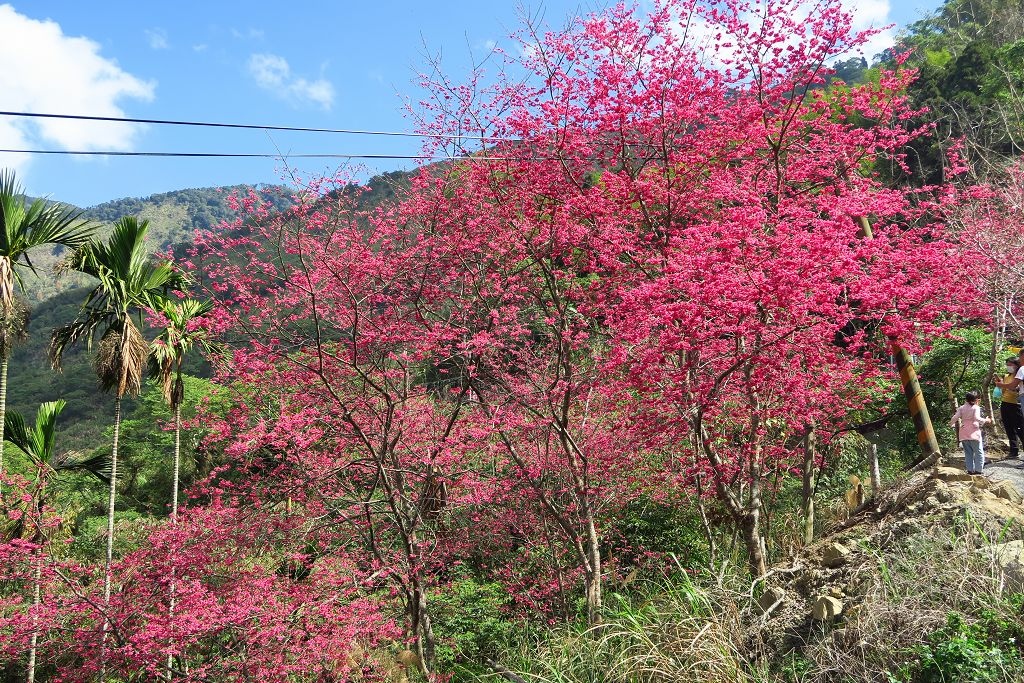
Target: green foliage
[[147, 444], [984, 651], [470, 624], [661, 527], [969, 77]]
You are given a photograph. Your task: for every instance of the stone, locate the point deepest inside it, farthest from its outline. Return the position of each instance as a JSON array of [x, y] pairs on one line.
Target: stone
[[952, 474], [982, 482], [826, 608], [769, 598], [1009, 557], [1006, 491], [932, 502], [835, 555]]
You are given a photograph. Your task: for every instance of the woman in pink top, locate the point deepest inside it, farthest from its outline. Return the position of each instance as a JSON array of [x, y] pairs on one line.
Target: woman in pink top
[[969, 415]]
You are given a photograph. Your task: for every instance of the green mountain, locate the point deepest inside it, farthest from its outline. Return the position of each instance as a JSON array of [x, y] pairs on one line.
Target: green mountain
[[173, 217]]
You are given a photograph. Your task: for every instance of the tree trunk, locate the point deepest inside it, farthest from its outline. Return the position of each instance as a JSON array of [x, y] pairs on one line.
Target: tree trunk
[[809, 476], [177, 463], [706, 525], [986, 383], [953, 404], [916, 406], [423, 628], [112, 498], [174, 520], [3, 412], [876, 474], [37, 589], [750, 526], [593, 573]]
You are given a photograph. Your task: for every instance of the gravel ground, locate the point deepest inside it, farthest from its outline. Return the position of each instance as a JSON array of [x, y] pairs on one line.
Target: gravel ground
[[1011, 470], [997, 465]]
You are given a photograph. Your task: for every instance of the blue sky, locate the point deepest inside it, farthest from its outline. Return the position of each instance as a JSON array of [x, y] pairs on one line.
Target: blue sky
[[325, 64]]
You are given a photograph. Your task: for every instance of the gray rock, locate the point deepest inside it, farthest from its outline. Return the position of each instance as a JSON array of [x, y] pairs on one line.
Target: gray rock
[[769, 599], [826, 608], [835, 555], [952, 474], [1009, 558], [1006, 491]]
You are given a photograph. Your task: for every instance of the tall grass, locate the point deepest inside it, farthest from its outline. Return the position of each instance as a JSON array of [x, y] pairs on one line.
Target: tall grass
[[673, 631]]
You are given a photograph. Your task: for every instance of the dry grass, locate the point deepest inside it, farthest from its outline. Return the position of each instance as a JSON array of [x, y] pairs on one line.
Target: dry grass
[[908, 596], [680, 633]]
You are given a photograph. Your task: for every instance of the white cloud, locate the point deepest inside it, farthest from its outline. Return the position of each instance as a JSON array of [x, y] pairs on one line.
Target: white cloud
[[44, 70], [248, 34], [272, 73], [866, 14], [873, 14], [157, 38], [200, 47]]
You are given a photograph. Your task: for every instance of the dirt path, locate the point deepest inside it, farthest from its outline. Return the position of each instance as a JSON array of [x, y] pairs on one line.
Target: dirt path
[[997, 466], [1011, 470]]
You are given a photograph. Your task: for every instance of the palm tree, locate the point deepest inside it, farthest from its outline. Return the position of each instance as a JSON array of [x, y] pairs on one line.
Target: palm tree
[[166, 356], [129, 281], [25, 225], [37, 443]]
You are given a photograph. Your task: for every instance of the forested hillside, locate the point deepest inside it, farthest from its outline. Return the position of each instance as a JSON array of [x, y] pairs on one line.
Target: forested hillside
[[173, 218], [670, 383]]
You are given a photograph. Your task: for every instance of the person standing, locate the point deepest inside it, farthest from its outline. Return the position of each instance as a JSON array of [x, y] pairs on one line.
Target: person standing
[[971, 421], [1009, 408]]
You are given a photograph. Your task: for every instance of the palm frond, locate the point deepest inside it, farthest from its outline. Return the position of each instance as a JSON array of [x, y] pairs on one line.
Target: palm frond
[[98, 465], [168, 350], [121, 358], [25, 225], [82, 329], [129, 281], [14, 317], [18, 433], [35, 441]]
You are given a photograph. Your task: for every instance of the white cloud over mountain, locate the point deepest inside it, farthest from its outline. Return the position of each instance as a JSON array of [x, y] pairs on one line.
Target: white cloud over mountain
[[44, 70]]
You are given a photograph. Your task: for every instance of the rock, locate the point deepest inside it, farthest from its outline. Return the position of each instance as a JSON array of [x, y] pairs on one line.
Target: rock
[[1009, 557], [952, 474], [835, 555], [932, 502], [982, 482], [1006, 491], [826, 608], [769, 598]]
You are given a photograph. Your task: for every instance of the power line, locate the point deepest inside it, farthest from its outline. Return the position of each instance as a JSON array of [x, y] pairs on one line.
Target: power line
[[208, 124], [240, 155]]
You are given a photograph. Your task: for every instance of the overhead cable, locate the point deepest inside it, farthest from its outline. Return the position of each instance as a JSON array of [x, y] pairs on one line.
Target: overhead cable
[[249, 126]]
